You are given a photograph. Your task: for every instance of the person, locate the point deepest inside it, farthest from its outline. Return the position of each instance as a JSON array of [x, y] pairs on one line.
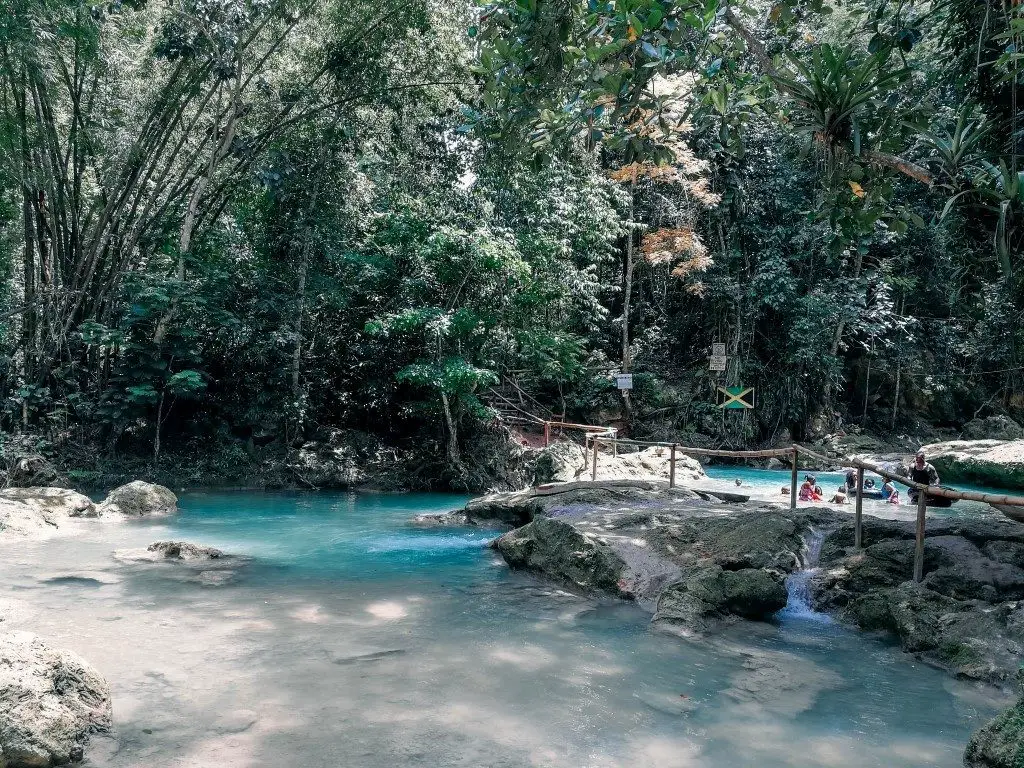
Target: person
[[923, 472], [818, 493], [738, 481], [869, 483], [785, 490], [851, 480], [807, 489], [889, 492], [840, 497]]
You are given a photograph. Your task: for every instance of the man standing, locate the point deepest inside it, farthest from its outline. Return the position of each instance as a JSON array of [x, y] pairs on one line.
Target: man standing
[[923, 472]]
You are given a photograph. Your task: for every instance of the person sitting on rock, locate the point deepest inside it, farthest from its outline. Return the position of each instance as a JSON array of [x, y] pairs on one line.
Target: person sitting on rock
[[840, 497]]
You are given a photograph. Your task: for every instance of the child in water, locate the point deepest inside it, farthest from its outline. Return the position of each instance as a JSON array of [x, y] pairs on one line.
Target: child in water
[[889, 492], [840, 497]]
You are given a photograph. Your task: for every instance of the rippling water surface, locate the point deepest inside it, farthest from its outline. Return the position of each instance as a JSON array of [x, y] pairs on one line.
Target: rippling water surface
[[347, 638]]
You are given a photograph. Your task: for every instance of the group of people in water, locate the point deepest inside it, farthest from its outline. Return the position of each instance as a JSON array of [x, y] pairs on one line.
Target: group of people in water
[[921, 472]]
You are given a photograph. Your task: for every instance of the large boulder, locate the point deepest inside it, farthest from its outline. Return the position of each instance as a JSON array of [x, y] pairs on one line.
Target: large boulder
[[137, 499], [57, 501], [1000, 744], [986, 462], [51, 700], [19, 519], [557, 549], [711, 592], [566, 461]]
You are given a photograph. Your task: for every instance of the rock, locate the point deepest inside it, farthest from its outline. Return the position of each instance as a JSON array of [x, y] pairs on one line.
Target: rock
[[160, 551], [50, 702], [750, 593], [139, 498], [440, 519], [993, 428], [999, 744], [986, 462], [566, 461], [20, 519], [327, 466], [968, 613], [558, 550], [58, 501], [774, 463]]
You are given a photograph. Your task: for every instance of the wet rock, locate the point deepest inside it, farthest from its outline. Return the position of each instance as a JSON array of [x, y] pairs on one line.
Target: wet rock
[[440, 520], [137, 499], [51, 700], [711, 592], [966, 615], [160, 551], [1000, 744], [986, 462], [54, 501], [556, 549]]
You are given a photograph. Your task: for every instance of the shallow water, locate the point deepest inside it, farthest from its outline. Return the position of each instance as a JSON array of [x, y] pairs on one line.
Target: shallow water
[[768, 483], [351, 639]]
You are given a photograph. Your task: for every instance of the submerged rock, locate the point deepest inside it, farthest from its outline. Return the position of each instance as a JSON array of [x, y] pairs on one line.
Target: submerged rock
[[51, 700], [139, 498], [160, 551], [986, 462], [57, 501]]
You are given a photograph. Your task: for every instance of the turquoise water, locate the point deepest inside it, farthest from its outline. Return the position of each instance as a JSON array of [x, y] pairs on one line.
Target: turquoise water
[[768, 483], [345, 637]]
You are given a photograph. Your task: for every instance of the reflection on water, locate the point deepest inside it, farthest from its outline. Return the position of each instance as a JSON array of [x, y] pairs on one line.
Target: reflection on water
[[352, 639]]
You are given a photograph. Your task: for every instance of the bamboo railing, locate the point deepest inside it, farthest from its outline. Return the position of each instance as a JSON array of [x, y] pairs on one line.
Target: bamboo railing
[[601, 436]]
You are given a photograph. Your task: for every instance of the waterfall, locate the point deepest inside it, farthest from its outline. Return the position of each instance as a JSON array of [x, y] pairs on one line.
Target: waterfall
[[798, 602]]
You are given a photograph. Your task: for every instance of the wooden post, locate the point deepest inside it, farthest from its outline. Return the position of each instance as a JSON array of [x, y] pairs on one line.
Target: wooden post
[[922, 510], [793, 479], [858, 530], [672, 467], [593, 475], [547, 434]]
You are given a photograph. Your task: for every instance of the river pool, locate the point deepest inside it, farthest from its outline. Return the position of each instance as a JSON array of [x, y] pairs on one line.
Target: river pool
[[348, 639]]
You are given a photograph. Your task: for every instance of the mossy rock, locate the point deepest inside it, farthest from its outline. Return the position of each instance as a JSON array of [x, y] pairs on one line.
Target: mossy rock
[[1000, 744]]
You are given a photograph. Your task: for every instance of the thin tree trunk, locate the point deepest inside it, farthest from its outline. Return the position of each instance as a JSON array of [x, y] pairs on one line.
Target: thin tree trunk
[[867, 382], [627, 295]]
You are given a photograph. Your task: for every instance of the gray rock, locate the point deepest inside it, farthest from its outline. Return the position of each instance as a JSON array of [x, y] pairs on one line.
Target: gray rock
[[55, 501], [160, 551], [999, 744], [556, 549], [50, 702], [139, 498], [711, 592], [986, 462], [24, 520]]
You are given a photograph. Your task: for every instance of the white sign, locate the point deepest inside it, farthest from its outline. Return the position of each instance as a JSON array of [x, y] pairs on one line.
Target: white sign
[[624, 380], [718, 362], [718, 350]]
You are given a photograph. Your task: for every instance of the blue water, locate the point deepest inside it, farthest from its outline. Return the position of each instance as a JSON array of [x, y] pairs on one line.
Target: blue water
[[344, 637]]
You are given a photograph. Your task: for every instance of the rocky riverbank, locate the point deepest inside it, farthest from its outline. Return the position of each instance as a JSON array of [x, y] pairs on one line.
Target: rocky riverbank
[[695, 562]]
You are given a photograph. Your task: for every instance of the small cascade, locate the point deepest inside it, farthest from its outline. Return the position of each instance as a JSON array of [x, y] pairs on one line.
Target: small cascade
[[798, 584]]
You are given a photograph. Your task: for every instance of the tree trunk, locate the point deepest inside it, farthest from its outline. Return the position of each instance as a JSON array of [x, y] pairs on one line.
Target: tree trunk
[[454, 460], [627, 296]]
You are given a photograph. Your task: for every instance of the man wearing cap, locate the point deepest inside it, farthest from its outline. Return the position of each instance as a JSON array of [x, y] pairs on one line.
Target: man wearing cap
[[923, 472]]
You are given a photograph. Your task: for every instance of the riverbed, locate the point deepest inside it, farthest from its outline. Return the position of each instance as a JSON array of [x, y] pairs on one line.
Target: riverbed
[[343, 636]]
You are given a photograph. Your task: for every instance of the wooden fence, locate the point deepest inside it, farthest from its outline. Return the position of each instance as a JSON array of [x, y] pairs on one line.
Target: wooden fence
[[597, 438]]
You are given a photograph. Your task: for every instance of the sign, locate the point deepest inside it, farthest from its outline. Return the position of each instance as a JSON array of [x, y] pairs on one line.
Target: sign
[[624, 380], [718, 362], [735, 397], [718, 350]]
